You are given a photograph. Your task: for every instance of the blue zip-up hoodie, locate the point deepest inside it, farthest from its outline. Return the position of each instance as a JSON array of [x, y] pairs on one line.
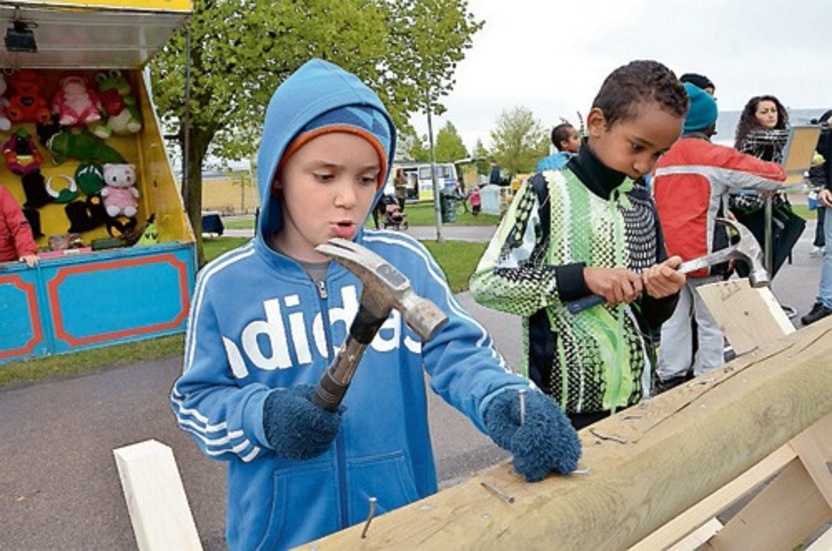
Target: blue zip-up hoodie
[[258, 322]]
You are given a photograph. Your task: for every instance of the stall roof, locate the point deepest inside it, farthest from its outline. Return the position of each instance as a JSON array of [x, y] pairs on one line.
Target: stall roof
[[95, 34]]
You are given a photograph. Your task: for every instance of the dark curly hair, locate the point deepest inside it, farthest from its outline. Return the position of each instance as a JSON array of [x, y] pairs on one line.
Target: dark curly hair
[[638, 82], [748, 120], [560, 133]]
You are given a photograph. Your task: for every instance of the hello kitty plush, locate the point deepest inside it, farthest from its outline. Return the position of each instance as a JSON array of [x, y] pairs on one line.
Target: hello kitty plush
[[76, 103], [119, 192]]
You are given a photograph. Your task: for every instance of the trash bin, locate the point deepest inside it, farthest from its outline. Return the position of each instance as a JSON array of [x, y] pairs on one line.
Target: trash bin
[[447, 205]]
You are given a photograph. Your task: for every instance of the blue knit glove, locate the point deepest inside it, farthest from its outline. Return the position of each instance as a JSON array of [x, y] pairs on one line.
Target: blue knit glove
[[295, 427], [545, 442]]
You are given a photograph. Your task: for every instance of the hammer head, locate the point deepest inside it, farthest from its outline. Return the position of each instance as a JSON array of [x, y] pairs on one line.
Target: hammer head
[[746, 248], [385, 288]]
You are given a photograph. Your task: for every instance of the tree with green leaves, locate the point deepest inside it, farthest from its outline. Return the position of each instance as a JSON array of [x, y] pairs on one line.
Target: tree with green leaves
[[519, 140], [482, 157], [449, 146], [241, 50]]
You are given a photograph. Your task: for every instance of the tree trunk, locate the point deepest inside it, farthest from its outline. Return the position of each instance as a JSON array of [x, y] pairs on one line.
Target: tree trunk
[[192, 188]]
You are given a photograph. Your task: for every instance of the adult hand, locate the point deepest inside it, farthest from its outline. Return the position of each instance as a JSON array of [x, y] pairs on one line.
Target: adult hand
[[825, 198], [661, 280], [30, 259], [295, 427], [616, 285], [543, 443]]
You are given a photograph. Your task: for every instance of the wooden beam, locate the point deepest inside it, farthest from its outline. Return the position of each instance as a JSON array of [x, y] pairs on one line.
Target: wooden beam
[[648, 464], [156, 498], [715, 503], [786, 512], [748, 317], [814, 447]]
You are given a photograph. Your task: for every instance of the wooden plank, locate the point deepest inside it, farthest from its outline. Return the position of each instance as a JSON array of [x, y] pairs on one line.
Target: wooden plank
[[156, 498], [748, 317], [814, 446], [648, 464], [697, 537], [786, 512], [823, 543], [715, 503]]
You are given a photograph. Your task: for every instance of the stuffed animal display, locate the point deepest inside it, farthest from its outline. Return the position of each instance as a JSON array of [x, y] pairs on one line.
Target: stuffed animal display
[[75, 116], [118, 104], [26, 102], [119, 193], [76, 103]]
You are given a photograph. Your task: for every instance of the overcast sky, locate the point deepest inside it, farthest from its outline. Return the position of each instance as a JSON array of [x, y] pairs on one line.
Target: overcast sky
[[551, 56]]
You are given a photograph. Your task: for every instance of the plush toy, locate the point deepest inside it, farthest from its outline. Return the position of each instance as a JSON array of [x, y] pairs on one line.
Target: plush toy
[[26, 103], [119, 191], [21, 153], [80, 144], [5, 123], [118, 104], [150, 233], [86, 215], [34, 187], [64, 195], [48, 129], [90, 177], [76, 103], [33, 217]]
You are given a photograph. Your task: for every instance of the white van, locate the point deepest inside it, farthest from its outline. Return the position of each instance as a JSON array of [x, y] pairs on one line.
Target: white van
[[419, 180]]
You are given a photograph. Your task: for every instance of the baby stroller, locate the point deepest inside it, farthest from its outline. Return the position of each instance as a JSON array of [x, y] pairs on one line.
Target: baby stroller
[[393, 215]]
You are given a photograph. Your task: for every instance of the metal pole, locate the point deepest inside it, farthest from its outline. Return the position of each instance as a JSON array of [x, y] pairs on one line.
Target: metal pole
[[768, 235], [186, 124], [436, 204]]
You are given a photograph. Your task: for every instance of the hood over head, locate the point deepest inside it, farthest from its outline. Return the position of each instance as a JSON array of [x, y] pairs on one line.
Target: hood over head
[[319, 97]]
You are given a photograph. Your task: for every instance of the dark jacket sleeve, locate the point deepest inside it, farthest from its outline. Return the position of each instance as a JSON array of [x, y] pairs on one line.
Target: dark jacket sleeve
[[655, 311]]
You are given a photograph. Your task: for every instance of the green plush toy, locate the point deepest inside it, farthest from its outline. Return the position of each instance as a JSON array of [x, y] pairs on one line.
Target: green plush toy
[[150, 235], [80, 144], [118, 102]]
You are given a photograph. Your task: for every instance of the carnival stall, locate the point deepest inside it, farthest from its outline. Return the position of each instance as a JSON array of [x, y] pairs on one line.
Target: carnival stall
[[83, 155]]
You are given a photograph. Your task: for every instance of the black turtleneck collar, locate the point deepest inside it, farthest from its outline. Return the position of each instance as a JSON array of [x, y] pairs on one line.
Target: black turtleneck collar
[[595, 175]]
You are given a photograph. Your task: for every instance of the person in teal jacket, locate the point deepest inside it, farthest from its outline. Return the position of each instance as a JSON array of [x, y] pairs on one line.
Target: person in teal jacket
[[566, 140], [267, 318]]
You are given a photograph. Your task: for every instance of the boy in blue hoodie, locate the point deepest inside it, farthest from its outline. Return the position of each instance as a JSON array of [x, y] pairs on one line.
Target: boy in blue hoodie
[[267, 318]]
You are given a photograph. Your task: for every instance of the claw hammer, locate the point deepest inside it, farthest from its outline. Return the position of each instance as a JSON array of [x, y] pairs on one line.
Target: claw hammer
[[746, 248], [384, 288]]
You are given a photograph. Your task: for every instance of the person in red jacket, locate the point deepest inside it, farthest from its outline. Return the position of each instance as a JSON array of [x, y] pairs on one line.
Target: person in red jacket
[[690, 187], [16, 240]]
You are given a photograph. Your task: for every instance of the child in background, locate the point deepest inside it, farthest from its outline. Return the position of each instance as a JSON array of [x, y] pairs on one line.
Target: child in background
[[592, 228], [267, 318], [16, 240], [567, 141], [476, 201]]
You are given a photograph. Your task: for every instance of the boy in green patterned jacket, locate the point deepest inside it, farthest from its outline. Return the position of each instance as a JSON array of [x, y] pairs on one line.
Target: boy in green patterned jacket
[[591, 228]]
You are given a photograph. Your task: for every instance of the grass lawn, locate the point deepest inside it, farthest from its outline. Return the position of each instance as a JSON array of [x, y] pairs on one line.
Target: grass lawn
[[418, 214], [457, 258]]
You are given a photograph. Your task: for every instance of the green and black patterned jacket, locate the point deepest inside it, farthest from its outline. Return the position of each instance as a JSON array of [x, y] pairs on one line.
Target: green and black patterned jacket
[[559, 222]]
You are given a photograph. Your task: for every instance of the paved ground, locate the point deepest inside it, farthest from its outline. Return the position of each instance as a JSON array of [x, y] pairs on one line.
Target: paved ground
[[59, 488]]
